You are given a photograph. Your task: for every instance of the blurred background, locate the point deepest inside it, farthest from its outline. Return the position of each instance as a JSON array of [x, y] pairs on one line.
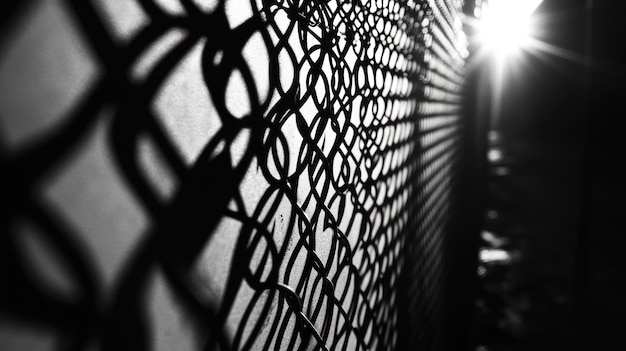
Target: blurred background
[[552, 275]]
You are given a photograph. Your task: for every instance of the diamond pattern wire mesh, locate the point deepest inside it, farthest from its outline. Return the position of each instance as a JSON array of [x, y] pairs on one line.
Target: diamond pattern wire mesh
[[305, 207]]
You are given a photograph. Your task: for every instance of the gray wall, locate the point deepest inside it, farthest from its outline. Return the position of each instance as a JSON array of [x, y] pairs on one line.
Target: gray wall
[[261, 182]]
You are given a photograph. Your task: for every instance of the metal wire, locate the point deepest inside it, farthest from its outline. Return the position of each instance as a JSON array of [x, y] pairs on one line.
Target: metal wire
[[351, 139]]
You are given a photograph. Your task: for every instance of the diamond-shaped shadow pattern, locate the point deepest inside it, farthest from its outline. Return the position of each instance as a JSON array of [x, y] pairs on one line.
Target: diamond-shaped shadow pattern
[[235, 175]]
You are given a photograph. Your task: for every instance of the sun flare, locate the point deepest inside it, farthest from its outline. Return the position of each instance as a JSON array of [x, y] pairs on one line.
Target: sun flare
[[506, 26]]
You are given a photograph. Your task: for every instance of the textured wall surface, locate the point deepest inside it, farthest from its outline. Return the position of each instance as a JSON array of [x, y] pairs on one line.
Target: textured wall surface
[[234, 175]]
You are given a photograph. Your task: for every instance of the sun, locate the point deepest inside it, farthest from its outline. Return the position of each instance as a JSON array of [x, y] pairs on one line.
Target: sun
[[505, 35], [506, 26], [504, 31]]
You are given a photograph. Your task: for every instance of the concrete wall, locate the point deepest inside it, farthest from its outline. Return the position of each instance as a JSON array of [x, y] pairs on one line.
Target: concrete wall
[[254, 170]]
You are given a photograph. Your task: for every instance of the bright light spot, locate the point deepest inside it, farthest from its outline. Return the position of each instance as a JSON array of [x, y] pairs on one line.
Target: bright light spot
[[506, 26], [505, 34], [494, 155], [487, 236], [494, 255], [492, 239], [505, 30]]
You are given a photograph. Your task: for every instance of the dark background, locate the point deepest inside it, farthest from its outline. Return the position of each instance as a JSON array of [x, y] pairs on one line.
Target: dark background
[[562, 127]]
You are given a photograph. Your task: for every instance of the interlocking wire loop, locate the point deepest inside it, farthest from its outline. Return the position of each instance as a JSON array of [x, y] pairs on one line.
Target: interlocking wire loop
[[308, 214]]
